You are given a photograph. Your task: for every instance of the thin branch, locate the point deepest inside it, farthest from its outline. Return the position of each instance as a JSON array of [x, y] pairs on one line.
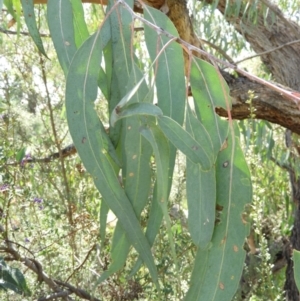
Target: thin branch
[[268, 51], [284, 166], [83, 262], [65, 152], [54, 284], [221, 51], [24, 33], [57, 142], [55, 296], [79, 292]]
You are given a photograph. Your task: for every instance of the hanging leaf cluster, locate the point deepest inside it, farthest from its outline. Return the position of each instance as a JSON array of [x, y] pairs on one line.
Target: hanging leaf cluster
[[151, 118]]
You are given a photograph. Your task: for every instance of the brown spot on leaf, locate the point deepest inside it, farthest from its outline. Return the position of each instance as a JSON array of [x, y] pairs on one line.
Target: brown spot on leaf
[[225, 164], [221, 285], [224, 145], [235, 248], [131, 174], [223, 240], [118, 110], [83, 140], [219, 207]]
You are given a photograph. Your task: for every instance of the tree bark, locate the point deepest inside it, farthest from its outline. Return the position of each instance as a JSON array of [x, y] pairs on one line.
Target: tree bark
[[267, 104]]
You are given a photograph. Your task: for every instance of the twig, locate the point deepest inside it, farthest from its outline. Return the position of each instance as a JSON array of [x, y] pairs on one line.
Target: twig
[[83, 262], [268, 51], [284, 166], [24, 33], [55, 296], [57, 142], [79, 292], [54, 284], [221, 51], [65, 152]]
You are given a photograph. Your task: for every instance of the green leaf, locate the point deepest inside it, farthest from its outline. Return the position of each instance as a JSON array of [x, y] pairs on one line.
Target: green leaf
[[80, 27], [17, 8], [161, 150], [170, 86], [28, 11], [121, 64], [201, 199], [136, 175], [136, 109], [214, 275], [200, 187], [60, 21], [12, 279], [20, 154], [119, 253], [120, 20], [296, 260], [182, 140], [108, 59], [10, 8], [199, 133], [209, 92], [169, 68], [93, 144]]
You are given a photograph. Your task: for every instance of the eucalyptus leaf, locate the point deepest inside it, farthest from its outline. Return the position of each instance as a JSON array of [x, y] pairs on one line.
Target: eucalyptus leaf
[[296, 260], [214, 275], [210, 91], [182, 140], [136, 109], [60, 21], [29, 15], [93, 144]]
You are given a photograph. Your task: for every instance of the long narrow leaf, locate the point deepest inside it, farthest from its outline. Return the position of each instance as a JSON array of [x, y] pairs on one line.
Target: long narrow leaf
[[136, 173], [208, 94], [214, 276], [28, 11], [169, 69], [121, 65], [92, 143], [60, 21], [136, 109], [161, 150], [200, 188], [170, 86], [296, 259], [182, 140], [80, 27]]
